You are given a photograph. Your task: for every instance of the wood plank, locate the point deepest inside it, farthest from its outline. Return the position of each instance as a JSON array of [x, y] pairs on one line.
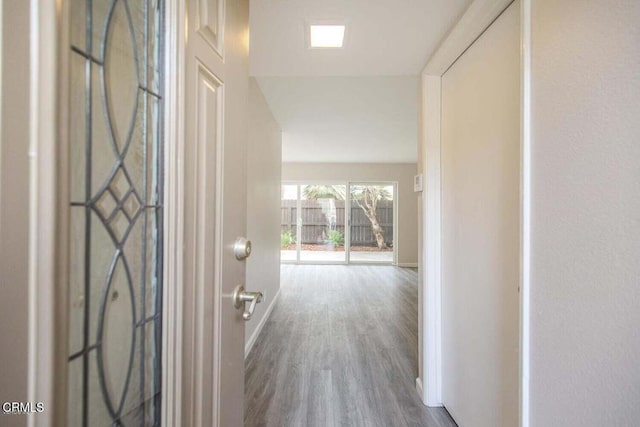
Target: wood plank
[[340, 349]]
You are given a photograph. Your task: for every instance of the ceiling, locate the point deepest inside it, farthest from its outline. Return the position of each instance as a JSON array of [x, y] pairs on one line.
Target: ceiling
[[366, 119], [358, 103], [384, 37]]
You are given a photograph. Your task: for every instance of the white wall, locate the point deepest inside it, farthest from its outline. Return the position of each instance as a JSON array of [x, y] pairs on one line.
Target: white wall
[[263, 206], [403, 173], [585, 283], [480, 228], [14, 207]]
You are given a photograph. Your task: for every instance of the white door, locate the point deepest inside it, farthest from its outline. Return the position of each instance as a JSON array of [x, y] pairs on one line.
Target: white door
[[138, 337], [216, 97], [480, 228]]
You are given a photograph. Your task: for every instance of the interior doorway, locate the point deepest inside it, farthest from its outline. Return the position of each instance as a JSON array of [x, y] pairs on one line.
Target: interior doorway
[[339, 223]]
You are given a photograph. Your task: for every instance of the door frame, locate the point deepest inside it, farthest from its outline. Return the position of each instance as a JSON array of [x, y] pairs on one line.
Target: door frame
[[477, 18], [48, 242], [174, 190], [47, 300]]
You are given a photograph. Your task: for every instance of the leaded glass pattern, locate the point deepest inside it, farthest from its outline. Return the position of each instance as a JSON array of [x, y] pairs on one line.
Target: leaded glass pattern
[[115, 285]]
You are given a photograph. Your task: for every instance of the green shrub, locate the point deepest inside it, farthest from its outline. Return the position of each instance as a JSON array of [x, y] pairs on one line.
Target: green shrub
[[335, 237], [287, 239]]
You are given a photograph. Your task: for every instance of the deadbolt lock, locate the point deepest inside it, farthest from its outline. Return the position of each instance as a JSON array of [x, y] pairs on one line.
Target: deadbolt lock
[[242, 248]]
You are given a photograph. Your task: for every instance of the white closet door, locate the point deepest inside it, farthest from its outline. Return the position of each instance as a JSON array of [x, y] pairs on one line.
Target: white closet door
[[480, 220]]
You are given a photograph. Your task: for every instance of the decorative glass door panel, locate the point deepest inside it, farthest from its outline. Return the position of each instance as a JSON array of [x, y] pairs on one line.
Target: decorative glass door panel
[[115, 237]]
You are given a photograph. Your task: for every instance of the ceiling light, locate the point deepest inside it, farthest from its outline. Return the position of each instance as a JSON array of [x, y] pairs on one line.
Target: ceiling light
[[323, 36]]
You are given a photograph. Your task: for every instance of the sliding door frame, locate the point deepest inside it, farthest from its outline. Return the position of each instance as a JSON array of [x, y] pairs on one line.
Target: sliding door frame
[[347, 221], [299, 184]]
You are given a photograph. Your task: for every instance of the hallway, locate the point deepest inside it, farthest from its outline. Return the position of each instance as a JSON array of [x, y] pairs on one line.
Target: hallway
[[339, 349]]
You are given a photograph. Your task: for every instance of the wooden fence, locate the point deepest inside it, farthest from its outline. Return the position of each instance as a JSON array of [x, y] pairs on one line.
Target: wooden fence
[[320, 216]]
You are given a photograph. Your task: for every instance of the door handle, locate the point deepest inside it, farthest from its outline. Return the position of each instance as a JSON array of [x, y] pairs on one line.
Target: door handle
[[241, 297]]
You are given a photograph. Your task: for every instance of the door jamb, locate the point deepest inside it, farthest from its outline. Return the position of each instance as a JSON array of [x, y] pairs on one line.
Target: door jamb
[[46, 299], [173, 289], [477, 18]]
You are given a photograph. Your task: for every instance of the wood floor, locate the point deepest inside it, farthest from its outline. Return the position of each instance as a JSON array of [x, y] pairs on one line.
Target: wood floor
[[340, 349]]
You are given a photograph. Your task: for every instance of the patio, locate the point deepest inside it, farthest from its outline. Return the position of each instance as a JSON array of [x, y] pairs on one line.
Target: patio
[[336, 256]]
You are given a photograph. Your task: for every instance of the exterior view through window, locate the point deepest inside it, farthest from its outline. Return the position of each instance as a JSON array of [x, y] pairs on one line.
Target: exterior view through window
[[372, 237], [338, 223]]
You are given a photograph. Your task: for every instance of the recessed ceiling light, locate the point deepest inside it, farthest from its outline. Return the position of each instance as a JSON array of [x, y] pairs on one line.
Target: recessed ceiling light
[[323, 36]]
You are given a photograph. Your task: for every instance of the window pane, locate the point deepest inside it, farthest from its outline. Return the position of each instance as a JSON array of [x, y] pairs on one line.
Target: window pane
[[372, 223], [322, 223], [288, 223]]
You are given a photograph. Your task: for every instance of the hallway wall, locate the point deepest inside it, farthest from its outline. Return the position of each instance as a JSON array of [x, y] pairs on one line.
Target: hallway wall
[[585, 255], [403, 173], [263, 205]]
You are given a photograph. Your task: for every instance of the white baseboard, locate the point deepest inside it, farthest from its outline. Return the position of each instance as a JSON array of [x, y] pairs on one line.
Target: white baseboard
[[408, 264], [254, 336], [419, 389]]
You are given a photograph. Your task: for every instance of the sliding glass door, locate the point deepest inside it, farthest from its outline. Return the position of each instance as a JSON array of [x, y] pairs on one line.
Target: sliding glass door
[[288, 223], [322, 220], [372, 222], [338, 223]]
